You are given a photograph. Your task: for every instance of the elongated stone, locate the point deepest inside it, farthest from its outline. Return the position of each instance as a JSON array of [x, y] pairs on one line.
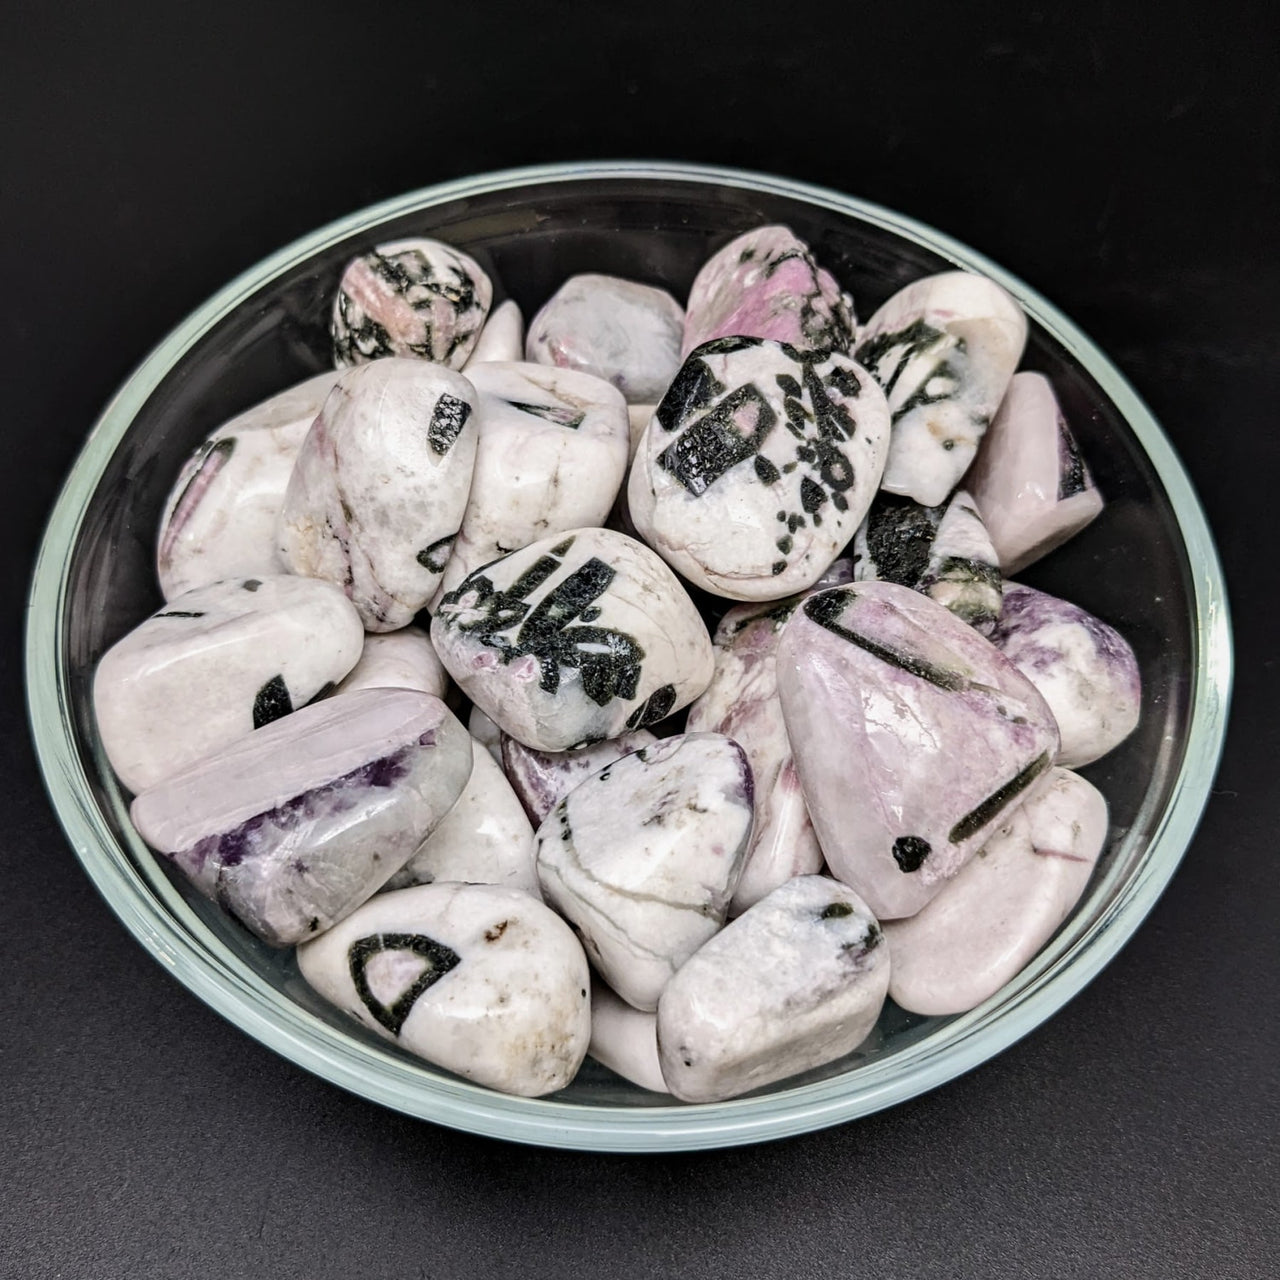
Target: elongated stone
[[502, 337], [1004, 905], [643, 858], [551, 454], [943, 551], [796, 982], [380, 485], [627, 333], [758, 466], [484, 839], [401, 659], [944, 349], [220, 517], [417, 298], [625, 1039], [541, 779], [912, 735], [1084, 669], [573, 640], [1030, 480], [483, 981], [766, 284], [214, 665], [295, 826]]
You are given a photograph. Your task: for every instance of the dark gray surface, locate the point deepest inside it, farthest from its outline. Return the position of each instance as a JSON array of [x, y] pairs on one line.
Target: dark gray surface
[[1128, 167]]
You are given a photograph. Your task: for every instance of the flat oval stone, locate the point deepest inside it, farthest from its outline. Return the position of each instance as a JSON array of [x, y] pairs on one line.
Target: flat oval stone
[[943, 551], [1003, 905], [214, 665], [220, 517], [574, 639], [295, 826], [627, 333], [944, 349], [625, 1039], [796, 982], [766, 284], [417, 298], [502, 337], [643, 858], [541, 779], [1030, 480], [401, 659], [758, 466], [483, 981], [1084, 669], [484, 839], [913, 735], [380, 485], [551, 454]]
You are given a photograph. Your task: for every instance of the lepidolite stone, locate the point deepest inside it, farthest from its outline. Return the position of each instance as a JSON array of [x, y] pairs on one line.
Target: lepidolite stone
[[294, 827], [766, 284], [380, 485], [418, 298], [551, 454], [502, 337], [643, 858], [574, 639], [944, 349], [483, 981], [1084, 669], [758, 466], [625, 1039], [484, 839], [913, 736], [943, 551], [401, 659], [541, 779], [1004, 905], [627, 333], [1030, 481], [796, 982], [214, 665], [220, 518]]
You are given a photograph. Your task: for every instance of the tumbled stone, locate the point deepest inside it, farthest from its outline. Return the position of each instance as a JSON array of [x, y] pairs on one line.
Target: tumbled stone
[[766, 284], [484, 839], [574, 639], [944, 349], [643, 858], [1084, 669], [796, 982], [214, 665], [1003, 905], [380, 485], [220, 517], [483, 981], [943, 551], [551, 454], [401, 659], [758, 466], [1029, 480], [541, 779], [502, 337], [293, 827], [625, 1039], [626, 333], [416, 297], [913, 735]]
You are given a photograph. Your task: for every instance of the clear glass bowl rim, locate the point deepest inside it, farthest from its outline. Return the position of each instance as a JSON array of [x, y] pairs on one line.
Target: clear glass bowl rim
[[193, 957]]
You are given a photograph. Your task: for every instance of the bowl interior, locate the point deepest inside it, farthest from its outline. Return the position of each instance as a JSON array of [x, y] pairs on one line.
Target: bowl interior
[[1132, 568]]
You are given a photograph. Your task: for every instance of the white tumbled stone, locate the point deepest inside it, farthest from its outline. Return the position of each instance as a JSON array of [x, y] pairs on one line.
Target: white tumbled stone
[[502, 337], [625, 1039], [401, 659], [483, 981]]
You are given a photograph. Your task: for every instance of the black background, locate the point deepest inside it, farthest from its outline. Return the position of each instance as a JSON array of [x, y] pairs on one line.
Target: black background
[[1123, 161]]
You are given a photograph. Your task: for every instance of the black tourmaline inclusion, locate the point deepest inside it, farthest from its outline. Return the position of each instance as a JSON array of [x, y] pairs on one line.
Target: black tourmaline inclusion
[[440, 960], [909, 852]]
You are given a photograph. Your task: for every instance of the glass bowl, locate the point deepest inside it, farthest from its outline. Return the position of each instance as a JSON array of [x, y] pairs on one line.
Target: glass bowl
[[1147, 565]]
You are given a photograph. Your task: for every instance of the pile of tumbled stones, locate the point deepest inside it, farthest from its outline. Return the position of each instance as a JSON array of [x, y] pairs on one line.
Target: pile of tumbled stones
[[871, 794]]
